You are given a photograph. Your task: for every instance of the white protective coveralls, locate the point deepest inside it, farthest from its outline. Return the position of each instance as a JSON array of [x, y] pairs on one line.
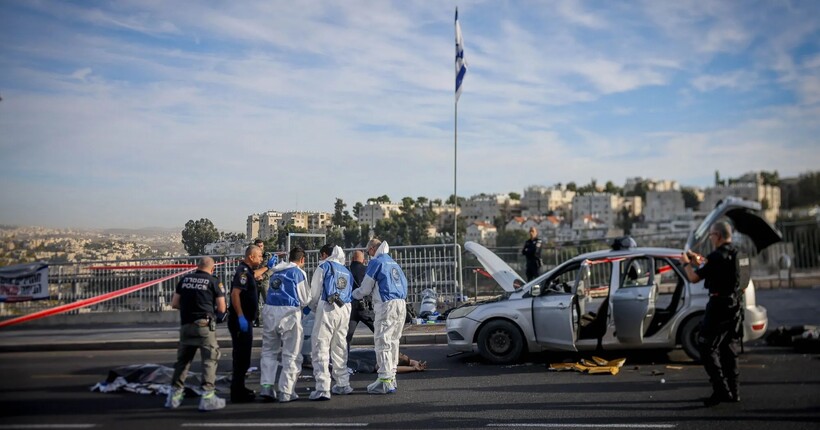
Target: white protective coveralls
[[385, 282], [328, 339], [282, 328]]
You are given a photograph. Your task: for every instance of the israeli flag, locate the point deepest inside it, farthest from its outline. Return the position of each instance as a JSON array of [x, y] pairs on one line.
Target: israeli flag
[[461, 66]]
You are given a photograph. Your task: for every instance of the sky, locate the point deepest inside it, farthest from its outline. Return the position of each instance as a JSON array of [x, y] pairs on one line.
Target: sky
[[139, 113]]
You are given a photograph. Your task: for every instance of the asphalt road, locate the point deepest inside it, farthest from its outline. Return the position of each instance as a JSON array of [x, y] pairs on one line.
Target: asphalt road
[[780, 390]]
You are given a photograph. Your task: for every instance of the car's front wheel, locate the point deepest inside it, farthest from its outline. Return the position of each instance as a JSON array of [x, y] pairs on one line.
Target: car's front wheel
[[500, 342], [689, 337]]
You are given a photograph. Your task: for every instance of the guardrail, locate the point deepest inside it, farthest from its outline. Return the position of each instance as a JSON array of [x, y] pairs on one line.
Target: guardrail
[[426, 267]]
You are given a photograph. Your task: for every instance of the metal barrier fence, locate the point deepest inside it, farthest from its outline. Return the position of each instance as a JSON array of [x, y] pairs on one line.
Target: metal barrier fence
[[799, 252], [431, 266]]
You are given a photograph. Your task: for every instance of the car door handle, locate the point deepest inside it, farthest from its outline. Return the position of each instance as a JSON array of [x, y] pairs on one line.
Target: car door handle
[[562, 306]]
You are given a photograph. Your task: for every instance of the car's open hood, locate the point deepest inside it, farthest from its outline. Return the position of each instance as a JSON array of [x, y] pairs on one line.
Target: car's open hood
[[496, 267], [745, 219]]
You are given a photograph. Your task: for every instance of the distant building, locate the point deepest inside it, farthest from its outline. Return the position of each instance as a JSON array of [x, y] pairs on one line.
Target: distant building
[[487, 208], [252, 226], [373, 212], [481, 232], [631, 185], [750, 187], [663, 205], [539, 200], [603, 207]]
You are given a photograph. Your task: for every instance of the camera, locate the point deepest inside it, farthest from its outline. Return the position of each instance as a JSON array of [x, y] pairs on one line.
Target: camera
[[335, 300]]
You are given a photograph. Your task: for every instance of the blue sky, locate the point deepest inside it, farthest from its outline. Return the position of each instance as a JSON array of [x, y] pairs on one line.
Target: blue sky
[[144, 113]]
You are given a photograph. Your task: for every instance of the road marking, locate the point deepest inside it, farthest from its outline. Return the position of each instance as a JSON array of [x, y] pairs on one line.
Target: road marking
[[549, 425], [46, 426], [275, 424]]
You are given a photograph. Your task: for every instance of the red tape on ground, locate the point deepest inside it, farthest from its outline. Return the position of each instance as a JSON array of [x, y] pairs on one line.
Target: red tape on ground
[[87, 302]]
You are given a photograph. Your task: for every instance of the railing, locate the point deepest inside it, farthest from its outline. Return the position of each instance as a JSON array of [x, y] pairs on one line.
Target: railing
[[800, 245], [432, 266]]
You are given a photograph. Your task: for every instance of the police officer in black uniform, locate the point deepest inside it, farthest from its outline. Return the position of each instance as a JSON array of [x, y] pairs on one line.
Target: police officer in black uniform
[[262, 274], [722, 330], [360, 310], [244, 306], [200, 299], [532, 251]]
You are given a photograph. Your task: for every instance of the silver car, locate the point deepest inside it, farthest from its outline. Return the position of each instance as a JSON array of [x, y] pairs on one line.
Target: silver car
[[634, 298]]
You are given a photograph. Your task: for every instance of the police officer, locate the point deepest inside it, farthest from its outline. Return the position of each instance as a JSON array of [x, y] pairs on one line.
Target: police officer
[[244, 306], [360, 310], [721, 329], [532, 252], [200, 299], [262, 274]]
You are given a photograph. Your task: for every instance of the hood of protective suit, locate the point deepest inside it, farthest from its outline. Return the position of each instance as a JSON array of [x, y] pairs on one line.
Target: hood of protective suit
[[383, 249], [338, 255], [284, 265]]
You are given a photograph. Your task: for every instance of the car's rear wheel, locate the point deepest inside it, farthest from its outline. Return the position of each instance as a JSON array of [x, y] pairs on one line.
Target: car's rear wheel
[[500, 342], [689, 337]]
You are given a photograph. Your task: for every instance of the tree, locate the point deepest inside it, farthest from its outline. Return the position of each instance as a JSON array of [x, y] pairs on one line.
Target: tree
[[197, 234], [231, 236], [770, 178], [357, 209], [338, 212], [690, 198], [515, 196], [612, 188], [381, 199], [572, 187], [511, 238]]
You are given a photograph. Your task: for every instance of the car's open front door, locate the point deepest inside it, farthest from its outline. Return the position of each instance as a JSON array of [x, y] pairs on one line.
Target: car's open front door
[[633, 303], [557, 311]]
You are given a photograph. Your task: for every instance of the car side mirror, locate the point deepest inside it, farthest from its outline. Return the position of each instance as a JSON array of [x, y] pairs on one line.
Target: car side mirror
[[535, 291]]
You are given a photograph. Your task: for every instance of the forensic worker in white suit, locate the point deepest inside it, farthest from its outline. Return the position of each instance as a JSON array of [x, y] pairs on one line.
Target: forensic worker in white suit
[[385, 282], [330, 290]]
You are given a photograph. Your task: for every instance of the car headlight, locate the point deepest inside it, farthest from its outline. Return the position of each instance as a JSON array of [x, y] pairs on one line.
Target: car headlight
[[461, 312]]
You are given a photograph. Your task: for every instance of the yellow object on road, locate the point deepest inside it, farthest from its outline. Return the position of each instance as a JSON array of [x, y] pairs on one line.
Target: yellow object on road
[[596, 366]]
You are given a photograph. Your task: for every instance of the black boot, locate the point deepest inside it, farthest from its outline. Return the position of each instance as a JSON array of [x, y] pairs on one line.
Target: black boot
[[242, 395], [734, 391], [718, 396]]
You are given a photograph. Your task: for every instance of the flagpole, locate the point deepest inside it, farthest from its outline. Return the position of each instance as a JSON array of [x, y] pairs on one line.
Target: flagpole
[[460, 69], [455, 183]]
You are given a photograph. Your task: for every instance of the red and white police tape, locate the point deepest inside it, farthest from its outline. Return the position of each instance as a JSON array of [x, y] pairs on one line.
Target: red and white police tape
[[93, 300]]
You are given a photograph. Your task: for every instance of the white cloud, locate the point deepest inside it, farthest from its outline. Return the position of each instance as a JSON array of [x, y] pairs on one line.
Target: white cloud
[[127, 112]]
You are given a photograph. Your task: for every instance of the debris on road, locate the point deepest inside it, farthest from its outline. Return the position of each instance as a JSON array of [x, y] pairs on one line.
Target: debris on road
[[598, 365]]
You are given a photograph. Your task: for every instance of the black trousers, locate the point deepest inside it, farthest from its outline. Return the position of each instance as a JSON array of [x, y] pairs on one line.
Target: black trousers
[[242, 345], [358, 314], [532, 269], [720, 344]]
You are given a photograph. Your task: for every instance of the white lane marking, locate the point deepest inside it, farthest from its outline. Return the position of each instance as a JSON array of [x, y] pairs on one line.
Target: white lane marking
[[275, 424], [45, 426], [570, 425]]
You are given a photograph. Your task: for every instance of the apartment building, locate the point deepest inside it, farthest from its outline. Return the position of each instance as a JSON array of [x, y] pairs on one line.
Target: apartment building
[[482, 232], [663, 205], [539, 200], [749, 187], [373, 212], [603, 207], [486, 208]]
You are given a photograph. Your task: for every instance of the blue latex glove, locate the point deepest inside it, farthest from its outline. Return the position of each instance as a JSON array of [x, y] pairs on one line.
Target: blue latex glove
[[273, 261], [306, 310], [243, 324]]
